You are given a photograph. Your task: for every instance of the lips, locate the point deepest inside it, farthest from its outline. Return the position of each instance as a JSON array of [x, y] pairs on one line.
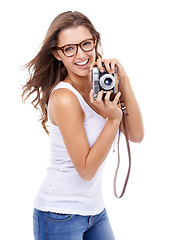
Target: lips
[[82, 63]]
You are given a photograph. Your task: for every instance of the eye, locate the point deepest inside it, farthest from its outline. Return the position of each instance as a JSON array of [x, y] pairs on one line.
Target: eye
[[69, 49], [86, 43]]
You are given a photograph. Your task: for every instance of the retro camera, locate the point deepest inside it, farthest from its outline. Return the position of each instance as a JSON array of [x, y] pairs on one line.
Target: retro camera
[[104, 81]]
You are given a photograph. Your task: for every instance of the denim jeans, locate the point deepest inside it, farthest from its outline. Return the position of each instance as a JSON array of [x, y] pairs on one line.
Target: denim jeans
[[53, 226]]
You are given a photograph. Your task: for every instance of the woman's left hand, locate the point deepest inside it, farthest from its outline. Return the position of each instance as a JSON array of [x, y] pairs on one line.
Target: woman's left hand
[[134, 122], [111, 65]]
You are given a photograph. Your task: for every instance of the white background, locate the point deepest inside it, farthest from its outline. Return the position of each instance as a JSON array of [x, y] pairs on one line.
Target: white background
[[135, 32]]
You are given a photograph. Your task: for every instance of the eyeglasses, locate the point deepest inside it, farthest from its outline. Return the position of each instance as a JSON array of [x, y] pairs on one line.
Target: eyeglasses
[[71, 49]]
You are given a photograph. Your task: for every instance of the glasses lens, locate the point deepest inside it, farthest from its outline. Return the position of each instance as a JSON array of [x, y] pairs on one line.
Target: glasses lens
[[70, 50], [87, 45]]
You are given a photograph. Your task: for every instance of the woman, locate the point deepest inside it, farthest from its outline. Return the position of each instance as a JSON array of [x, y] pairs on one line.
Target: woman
[[82, 129]]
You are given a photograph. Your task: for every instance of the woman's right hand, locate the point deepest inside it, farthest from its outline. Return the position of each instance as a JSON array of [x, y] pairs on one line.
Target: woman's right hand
[[111, 109], [67, 114]]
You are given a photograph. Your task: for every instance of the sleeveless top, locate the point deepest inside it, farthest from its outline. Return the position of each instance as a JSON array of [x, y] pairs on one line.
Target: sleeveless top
[[63, 190]]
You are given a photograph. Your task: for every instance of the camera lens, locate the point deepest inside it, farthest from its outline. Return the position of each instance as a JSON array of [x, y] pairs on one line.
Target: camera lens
[[108, 81]]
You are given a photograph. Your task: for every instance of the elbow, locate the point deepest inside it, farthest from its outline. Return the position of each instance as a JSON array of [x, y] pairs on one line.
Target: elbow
[[86, 171], [140, 139], [88, 179], [137, 138], [86, 175], [140, 136]]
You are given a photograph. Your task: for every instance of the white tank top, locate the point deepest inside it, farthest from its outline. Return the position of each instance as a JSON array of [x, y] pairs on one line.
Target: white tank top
[[63, 190]]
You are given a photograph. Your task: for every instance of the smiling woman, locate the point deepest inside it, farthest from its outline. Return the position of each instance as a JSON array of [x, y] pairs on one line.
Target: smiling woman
[[45, 70], [77, 55], [82, 129]]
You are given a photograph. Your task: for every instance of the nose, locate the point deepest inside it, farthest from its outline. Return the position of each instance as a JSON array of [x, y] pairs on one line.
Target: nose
[[80, 52]]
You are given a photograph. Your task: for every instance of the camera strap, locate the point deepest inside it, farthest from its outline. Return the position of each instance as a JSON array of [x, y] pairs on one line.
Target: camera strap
[[123, 108]]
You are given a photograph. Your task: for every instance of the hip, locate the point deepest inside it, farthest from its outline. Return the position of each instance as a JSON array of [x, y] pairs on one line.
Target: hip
[[50, 225]]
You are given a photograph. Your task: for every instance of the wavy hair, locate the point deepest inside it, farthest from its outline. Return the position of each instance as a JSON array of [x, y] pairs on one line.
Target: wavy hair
[[45, 71]]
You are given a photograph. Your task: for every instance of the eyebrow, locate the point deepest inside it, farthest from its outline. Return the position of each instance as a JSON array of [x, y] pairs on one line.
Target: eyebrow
[[76, 43]]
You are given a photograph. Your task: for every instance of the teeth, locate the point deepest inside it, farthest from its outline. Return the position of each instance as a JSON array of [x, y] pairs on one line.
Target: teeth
[[82, 63]]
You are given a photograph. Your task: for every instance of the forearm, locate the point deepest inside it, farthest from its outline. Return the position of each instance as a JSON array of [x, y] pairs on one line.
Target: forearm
[[134, 121], [100, 149]]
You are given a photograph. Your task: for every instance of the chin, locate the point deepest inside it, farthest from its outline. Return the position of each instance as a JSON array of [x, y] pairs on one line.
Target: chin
[[82, 73]]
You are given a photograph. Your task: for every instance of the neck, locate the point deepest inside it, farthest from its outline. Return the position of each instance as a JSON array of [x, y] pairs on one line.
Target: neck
[[84, 91], [84, 84]]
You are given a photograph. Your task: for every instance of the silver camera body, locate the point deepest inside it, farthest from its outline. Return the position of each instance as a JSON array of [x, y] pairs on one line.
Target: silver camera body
[[103, 81]]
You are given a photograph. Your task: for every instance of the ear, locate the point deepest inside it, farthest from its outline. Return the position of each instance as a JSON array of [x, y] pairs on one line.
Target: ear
[[95, 38], [56, 55]]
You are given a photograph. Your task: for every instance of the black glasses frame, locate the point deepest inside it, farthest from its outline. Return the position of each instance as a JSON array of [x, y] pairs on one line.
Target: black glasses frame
[[77, 45]]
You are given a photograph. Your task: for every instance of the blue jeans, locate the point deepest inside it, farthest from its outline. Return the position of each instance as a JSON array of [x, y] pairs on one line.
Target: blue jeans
[[53, 226]]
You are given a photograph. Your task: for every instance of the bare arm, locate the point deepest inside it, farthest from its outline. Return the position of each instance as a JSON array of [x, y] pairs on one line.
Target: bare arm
[[66, 112], [134, 121]]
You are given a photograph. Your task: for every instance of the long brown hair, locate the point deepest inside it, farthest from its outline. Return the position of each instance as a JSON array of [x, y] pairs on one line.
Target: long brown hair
[[45, 71]]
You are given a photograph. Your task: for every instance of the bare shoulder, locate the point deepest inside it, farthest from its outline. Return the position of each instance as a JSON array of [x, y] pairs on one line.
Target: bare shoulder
[[62, 96], [65, 103]]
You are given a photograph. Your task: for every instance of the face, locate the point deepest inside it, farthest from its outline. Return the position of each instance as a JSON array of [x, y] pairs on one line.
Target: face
[[78, 64]]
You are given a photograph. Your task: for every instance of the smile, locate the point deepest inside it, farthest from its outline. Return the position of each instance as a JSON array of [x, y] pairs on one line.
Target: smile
[[82, 63]]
